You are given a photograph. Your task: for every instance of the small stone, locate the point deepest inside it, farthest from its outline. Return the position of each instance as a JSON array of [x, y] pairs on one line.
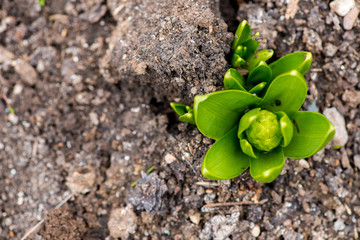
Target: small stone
[[26, 71], [81, 180], [304, 164], [195, 217], [276, 197], [352, 97], [13, 118], [339, 225], [350, 18], [357, 161], [255, 231], [169, 158], [123, 222], [330, 50], [342, 7], [341, 135], [94, 118]]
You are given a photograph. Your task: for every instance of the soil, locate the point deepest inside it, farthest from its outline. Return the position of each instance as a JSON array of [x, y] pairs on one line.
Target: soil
[[89, 127]]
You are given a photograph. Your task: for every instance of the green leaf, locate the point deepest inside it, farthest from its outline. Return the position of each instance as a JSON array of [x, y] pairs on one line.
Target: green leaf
[[240, 50], [234, 80], [186, 113], [179, 108], [218, 112], [267, 166], [286, 128], [251, 47], [300, 61], [242, 34], [247, 148], [247, 119], [188, 117], [225, 160], [286, 93], [258, 88], [261, 73], [312, 131], [258, 57], [236, 60]]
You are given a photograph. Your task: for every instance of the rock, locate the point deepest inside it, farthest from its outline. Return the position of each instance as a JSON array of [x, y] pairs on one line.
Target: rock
[[341, 135], [304, 164], [357, 161], [82, 180], [220, 226], [122, 222], [330, 50], [26, 71], [342, 7], [350, 18], [195, 217], [148, 193], [5, 55], [255, 231], [339, 225], [352, 97], [159, 43], [169, 158], [312, 40]]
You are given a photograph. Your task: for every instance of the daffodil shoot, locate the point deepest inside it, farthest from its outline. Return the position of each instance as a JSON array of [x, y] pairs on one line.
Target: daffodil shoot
[[256, 120]]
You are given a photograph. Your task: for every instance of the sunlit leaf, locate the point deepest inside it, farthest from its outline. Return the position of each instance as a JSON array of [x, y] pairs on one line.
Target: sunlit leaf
[[267, 166], [261, 73], [242, 34], [286, 93], [258, 57], [251, 47], [186, 113], [258, 88], [247, 119], [247, 148], [286, 128], [225, 160], [236, 60], [300, 61], [312, 131], [234, 80], [217, 113]]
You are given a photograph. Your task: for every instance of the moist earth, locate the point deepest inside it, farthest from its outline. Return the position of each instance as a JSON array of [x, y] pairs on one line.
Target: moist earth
[[85, 117]]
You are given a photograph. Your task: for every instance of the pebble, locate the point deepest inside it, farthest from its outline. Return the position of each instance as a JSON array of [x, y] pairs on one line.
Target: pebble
[[352, 97], [304, 164], [330, 50], [26, 71], [357, 161], [195, 217], [339, 225], [94, 118], [123, 222], [350, 18], [13, 118], [169, 158], [82, 180], [255, 231], [342, 7], [341, 135]]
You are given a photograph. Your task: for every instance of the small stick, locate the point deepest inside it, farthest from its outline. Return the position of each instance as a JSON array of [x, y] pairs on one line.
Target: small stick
[[37, 226], [233, 203]]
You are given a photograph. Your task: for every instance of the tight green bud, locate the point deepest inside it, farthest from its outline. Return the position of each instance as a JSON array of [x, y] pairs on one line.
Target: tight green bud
[[264, 133]]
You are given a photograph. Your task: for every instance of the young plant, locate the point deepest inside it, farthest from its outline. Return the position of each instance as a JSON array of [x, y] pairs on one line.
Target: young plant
[[256, 121]]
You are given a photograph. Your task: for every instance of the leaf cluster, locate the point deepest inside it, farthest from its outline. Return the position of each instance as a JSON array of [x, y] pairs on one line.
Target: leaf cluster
[[256, 120]]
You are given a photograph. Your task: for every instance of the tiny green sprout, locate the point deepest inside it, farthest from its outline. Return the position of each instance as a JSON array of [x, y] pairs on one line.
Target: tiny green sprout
[[42, 3], [256, 121]]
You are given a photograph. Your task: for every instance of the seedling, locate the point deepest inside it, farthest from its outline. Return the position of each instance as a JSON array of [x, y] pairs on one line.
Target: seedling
[[256, 121]]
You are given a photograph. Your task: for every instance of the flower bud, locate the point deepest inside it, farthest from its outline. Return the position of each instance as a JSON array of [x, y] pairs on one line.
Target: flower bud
[[264, 133]]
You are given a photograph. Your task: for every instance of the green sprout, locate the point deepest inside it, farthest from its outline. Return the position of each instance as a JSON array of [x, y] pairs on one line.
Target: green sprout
[[42, 3], [256, 121]]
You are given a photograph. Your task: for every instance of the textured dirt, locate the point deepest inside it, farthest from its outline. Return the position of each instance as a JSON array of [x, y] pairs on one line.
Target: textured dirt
[[91, 117]]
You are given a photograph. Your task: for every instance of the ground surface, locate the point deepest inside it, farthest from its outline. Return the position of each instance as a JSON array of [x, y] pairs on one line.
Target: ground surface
[[74, 132]]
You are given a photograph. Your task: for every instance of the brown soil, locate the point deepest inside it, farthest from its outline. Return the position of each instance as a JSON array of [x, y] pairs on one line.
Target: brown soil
[[78, 131]]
